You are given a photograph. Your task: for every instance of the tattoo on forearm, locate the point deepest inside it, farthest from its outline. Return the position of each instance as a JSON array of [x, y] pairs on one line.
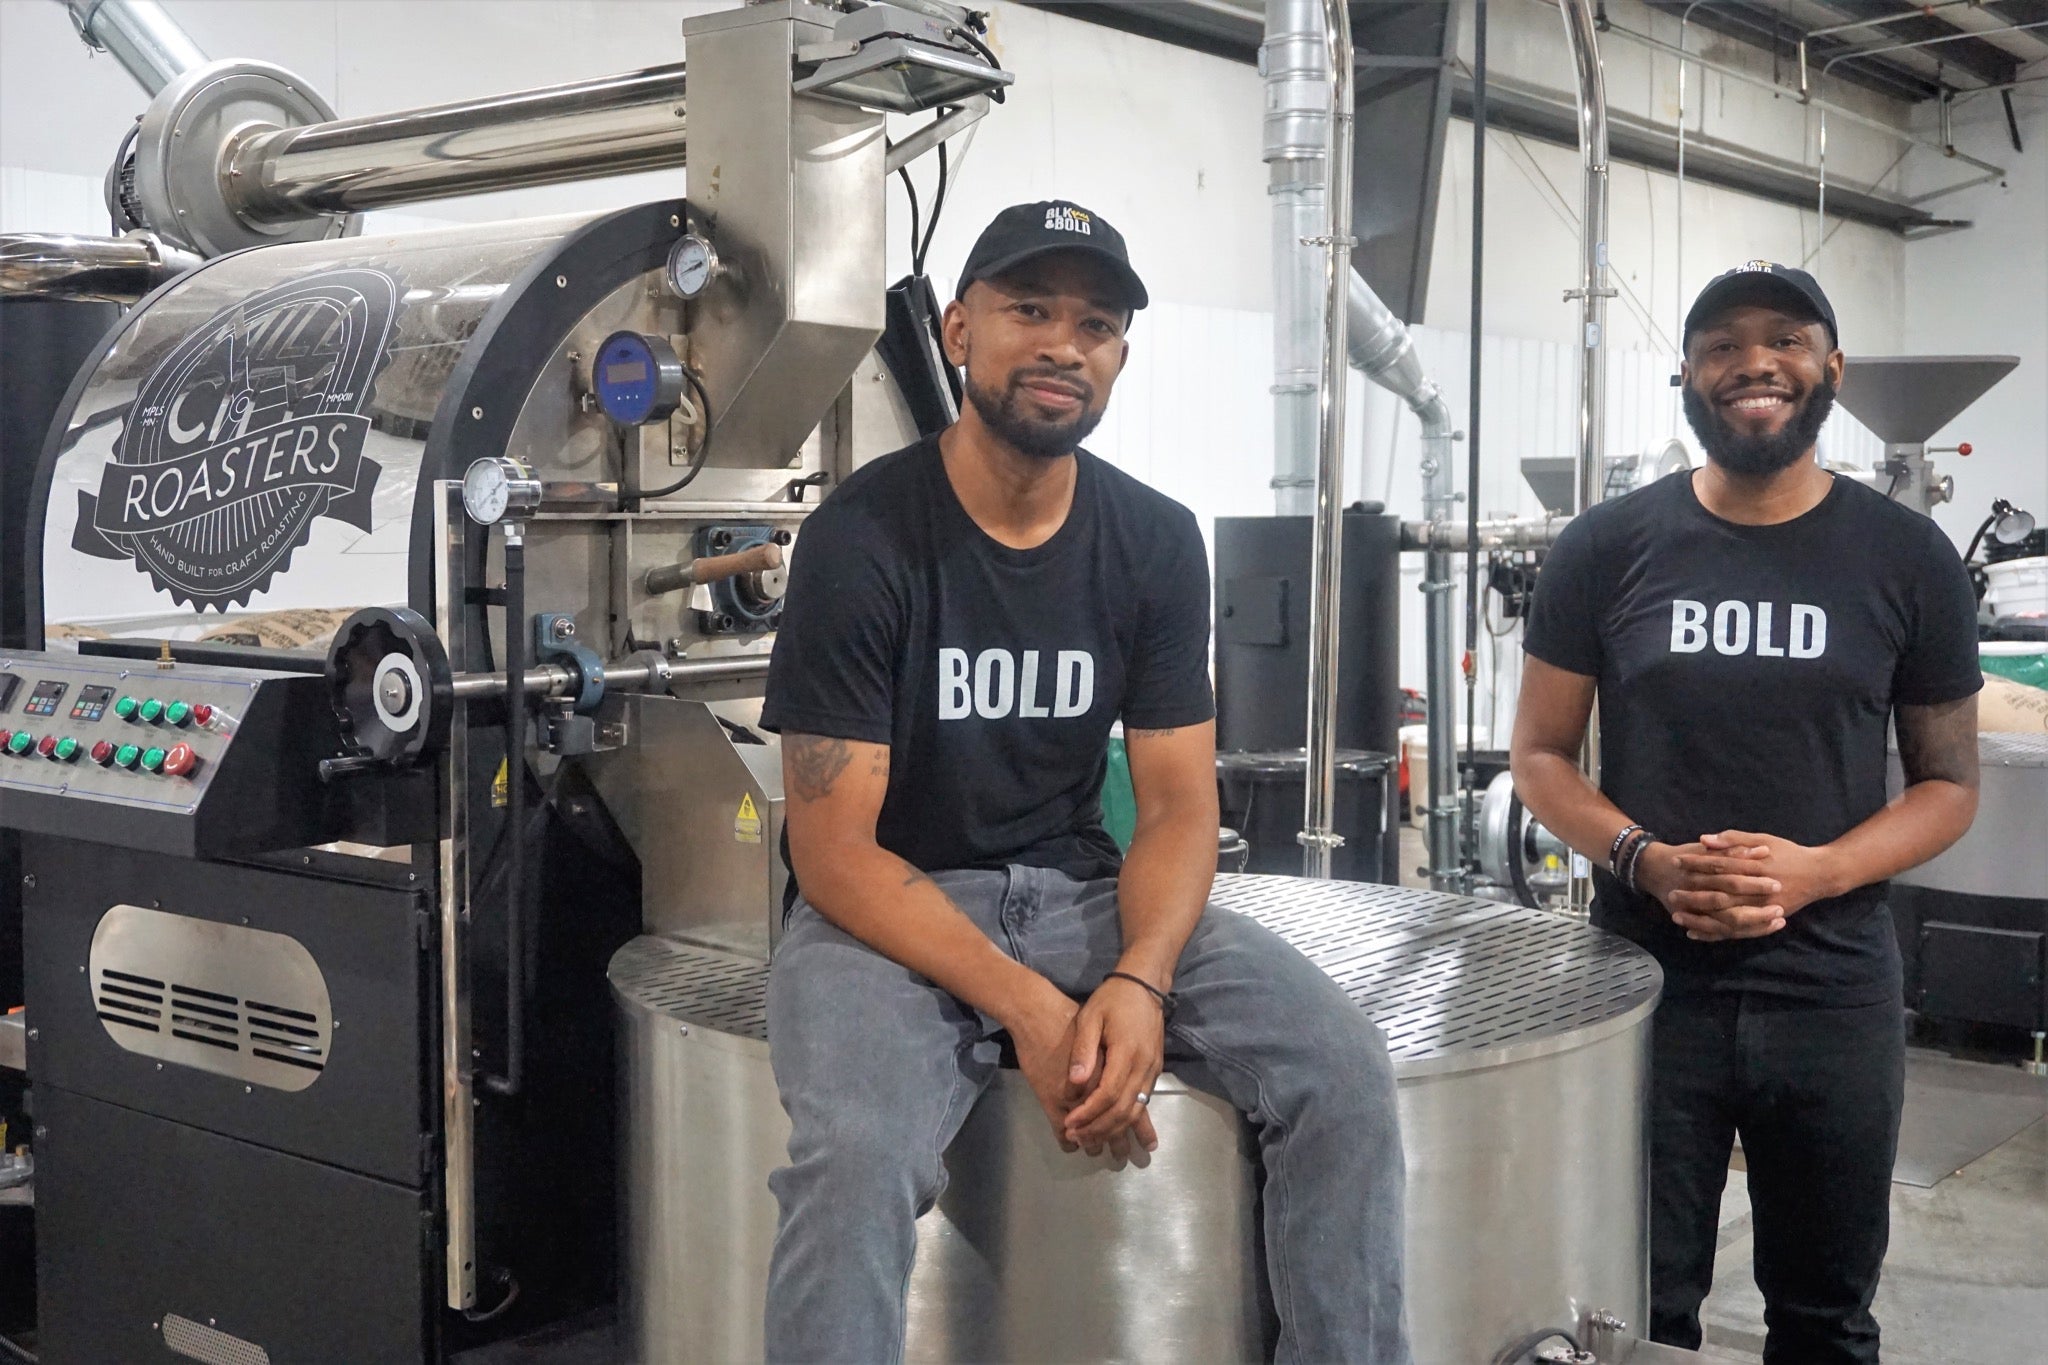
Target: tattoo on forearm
[[814, 764], [1151, 734], [878, 763], [1939, 743]]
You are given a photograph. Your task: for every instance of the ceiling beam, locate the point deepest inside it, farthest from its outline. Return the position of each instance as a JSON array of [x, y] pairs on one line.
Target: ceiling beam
[[1760, 26], [1986, 61]]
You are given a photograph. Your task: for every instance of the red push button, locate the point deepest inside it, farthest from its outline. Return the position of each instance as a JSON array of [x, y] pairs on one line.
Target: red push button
[[103, 753], [48, 746], [181, 761], [202, 715]]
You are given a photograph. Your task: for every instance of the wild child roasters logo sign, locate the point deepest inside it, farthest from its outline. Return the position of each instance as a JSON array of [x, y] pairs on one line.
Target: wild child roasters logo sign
[[245, 433]]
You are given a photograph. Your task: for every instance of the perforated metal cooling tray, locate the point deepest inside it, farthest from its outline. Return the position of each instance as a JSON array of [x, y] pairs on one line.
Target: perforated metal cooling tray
[[1454, 983]]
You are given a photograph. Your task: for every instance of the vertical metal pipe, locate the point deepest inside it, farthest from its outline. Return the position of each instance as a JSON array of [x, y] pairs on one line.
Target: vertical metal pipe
[[1319, 839], [1297, 108], [1592, 293], [148, 43], [458, 1116], [1469, 814]]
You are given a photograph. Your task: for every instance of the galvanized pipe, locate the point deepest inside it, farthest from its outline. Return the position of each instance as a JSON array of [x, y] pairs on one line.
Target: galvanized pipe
[[1454, 535], [612, 125], [55, 265], [1297, 108], [632, 674], [1593, 293], [1318, 836], [1764, 83], [148, 43]]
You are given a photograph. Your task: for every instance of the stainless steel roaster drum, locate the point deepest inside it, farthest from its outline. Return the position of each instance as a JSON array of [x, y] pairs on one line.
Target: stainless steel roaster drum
[[1521, 1042]]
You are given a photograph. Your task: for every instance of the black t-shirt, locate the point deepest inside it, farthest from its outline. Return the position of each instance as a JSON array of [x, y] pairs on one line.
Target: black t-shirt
[[993, 674], [1747, 676]]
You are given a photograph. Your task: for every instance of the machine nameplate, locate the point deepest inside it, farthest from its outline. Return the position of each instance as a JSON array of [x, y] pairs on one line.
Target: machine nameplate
[[236, 1001]]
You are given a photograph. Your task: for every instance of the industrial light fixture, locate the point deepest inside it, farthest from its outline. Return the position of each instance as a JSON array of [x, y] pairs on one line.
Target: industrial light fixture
[[888, 57]]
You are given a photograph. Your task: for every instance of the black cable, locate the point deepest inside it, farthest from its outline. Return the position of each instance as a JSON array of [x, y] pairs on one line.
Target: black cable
[[697, 457], [979, 46], [504, 1305], [910, 188], [924, 250], [1892, 492]]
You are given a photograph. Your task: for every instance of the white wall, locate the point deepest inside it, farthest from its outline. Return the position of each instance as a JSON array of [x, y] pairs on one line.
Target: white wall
[[1165, 143], [1985, 291]]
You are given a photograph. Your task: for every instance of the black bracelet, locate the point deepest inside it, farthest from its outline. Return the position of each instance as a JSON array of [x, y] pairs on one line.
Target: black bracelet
[[1614, 849], [1168, 1001], [1635, 856]]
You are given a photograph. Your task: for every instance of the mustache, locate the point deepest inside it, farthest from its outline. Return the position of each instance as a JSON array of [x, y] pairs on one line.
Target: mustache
[[1059, 379]]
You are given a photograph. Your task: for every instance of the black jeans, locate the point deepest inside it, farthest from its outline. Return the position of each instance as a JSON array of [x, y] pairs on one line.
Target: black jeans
[[1815, 1093]]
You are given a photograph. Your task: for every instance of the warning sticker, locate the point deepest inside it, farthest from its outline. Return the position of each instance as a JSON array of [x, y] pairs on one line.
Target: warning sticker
[[746, 826], [501, 787]]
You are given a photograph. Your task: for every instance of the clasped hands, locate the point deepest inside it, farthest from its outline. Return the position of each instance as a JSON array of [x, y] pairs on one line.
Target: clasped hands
[[1735, 885], [1089, 1062]]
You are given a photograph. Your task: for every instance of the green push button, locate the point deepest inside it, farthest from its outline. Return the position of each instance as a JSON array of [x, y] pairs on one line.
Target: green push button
[[152, 711], [177, 713], [127, 755], [152, 760], [21, 742], [125, 708], [67, 749]]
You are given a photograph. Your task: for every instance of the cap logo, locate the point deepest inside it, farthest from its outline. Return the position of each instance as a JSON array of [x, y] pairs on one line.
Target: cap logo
[[1064, 218], [1767, 267]]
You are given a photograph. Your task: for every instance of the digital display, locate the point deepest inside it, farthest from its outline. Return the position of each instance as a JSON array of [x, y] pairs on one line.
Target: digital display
[[92, 703], [626, 372], [42, 701]]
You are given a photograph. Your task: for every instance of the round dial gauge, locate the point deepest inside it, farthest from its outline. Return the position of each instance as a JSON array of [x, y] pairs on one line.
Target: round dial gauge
[[692, 265], [497, 486]]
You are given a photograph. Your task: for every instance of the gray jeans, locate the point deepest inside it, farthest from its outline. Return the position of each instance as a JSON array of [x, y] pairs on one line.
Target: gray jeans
[[877, 1068]]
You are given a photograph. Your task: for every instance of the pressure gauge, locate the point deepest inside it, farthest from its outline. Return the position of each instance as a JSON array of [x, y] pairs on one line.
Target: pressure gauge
[[497, 487], [692, 266], [638, 378]]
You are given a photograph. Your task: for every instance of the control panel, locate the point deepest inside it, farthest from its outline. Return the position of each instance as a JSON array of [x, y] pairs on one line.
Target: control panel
[[131, 752]]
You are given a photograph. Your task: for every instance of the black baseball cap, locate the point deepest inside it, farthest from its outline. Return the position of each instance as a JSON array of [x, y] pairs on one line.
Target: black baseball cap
[[1761, 282], [1024, 231]]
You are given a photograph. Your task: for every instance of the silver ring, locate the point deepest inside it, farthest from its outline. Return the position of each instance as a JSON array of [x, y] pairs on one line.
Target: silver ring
[[1143, 1097]]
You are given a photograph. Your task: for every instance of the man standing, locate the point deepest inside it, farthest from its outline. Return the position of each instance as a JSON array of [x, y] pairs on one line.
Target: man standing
[[966, 618], [1750, 629]]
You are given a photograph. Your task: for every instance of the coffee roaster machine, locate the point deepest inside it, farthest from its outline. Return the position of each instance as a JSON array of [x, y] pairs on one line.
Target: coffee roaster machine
[[391, 1001]]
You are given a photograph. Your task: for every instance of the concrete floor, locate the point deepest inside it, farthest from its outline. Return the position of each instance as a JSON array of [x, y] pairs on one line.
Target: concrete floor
[[1966, 1279]]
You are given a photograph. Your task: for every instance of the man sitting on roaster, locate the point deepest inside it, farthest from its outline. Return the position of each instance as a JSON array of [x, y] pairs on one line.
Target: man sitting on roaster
[[966, 618]]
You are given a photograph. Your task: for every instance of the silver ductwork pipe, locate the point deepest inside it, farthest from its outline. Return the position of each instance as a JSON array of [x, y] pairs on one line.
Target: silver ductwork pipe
[[1296, 74], [612, 125], [1592, 293], [147, 42], [54, 265], [1307, 192], [1381, 347], [1454, 535]]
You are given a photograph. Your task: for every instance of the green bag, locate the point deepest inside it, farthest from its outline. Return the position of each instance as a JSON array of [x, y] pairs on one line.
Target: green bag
[[2022, 663], [1119, 800]]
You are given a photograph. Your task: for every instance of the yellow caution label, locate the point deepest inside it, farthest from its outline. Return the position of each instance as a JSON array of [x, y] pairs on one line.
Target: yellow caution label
[[746, 825], [501, 786]]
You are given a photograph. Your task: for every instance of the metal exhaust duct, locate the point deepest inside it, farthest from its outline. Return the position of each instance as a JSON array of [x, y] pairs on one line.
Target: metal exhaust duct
[[611, 125], [147, 42], [54, 265]]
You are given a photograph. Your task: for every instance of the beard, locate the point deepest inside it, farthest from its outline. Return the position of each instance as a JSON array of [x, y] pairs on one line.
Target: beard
[[1005, 414], [1757, 456]]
